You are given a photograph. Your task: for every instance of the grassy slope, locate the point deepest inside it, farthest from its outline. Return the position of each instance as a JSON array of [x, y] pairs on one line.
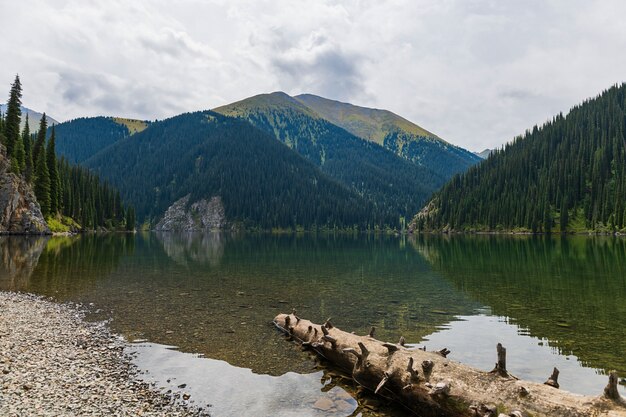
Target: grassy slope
[[370, 124], [133, 125]]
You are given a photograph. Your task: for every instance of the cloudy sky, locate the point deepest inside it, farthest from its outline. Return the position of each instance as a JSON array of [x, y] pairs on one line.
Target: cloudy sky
[[475, 72]]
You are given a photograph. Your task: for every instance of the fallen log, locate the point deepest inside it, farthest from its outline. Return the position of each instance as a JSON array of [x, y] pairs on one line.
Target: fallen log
[[432, 386]]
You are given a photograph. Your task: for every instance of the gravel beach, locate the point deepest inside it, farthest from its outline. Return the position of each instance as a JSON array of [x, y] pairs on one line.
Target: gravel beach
[[54, 363]]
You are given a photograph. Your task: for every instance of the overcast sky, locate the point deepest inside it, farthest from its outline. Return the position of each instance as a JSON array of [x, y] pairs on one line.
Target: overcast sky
[[476, 73]]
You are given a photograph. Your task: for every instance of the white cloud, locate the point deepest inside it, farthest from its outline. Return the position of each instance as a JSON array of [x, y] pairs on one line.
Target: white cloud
[[475, 72]]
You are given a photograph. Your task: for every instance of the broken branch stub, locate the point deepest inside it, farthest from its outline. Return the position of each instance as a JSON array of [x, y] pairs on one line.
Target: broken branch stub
[[610, 391], [500, 367], [553, 381]]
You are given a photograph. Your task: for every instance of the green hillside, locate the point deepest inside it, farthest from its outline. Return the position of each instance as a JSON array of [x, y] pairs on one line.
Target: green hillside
[[79, 139], [394, 133], [392, 183], [567, 175], [262, 183]]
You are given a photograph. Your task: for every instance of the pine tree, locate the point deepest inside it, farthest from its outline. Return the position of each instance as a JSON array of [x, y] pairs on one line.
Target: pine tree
[[3, 138], [41, 139], [130, 219], [564, 219], [55, 183], [18, 161], [13, 117], [28, 152], [42, 182]]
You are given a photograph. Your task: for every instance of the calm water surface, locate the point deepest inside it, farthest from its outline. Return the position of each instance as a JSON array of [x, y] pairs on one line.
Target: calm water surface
[[551, 302]]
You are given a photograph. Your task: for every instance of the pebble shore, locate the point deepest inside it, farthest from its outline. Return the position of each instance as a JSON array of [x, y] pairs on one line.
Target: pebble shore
[[54, 363]]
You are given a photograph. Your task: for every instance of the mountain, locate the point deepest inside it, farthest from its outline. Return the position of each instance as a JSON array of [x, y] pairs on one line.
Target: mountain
[[484, 154], [567, 175], [393, 184], [228, 164], [79, 139], [395, 133], [33, 117]]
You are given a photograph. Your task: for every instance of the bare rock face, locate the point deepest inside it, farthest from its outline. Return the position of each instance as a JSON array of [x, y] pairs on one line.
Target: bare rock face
[[202, 215], [19, 211]]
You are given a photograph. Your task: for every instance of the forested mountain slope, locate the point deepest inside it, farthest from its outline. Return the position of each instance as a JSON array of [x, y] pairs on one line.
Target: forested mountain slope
[[395, 185], [567, 175], [80, 139], [261, 182], [394, 133]]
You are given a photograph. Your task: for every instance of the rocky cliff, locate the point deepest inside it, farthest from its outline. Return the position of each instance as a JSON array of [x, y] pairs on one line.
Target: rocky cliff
[[19, 210], [202, 215]]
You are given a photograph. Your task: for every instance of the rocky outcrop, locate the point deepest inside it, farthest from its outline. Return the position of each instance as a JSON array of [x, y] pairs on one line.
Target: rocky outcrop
[[19, 211], [202, 215]]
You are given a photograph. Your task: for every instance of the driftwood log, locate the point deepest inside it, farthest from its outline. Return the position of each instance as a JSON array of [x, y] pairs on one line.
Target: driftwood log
[[431, 385]]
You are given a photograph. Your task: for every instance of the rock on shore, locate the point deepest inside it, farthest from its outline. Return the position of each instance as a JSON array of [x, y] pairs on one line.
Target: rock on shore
[[202, 215], [53, 363], [19, 211]]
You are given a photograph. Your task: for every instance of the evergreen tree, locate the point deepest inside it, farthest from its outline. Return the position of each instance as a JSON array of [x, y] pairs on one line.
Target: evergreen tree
[[564, 216], [55, 183], [28, 151], [18, 161], [130, 219], [13, 117], [3, 138], [42, 181], [41, 138]]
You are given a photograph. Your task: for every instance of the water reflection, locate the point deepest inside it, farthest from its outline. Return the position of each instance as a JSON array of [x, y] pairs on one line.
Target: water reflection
[[186, 248], [570, 291], [210, 382], [19, 258], [528, 357]]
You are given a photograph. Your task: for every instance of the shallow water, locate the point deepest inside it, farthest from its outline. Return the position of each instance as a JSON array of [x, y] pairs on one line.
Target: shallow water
[[549, 301]]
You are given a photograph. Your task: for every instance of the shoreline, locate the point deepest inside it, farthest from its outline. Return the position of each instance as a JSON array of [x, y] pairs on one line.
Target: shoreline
[[53, 362]]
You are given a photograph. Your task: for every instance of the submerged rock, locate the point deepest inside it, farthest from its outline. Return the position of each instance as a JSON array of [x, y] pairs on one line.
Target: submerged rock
[[201, 215], [19, 211]]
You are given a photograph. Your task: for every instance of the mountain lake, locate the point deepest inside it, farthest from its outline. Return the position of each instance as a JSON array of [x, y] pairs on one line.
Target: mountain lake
[[199, 307]]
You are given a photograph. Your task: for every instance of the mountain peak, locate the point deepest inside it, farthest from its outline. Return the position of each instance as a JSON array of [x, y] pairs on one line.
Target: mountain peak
[[277, 100], [34, 118]]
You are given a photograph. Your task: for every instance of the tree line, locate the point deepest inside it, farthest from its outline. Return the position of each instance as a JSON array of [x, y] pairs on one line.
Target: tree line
[[567, 175], [61, 189]]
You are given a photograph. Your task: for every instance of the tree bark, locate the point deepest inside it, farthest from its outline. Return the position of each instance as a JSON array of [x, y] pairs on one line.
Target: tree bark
[[432, 386]]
